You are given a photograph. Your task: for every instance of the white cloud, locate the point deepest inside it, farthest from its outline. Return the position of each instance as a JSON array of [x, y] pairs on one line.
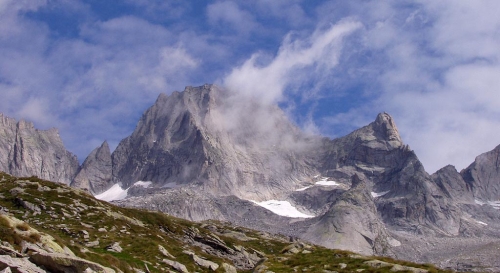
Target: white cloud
[[103, 79], [288, 10], [230, 16], [438, 77], [318, 53]]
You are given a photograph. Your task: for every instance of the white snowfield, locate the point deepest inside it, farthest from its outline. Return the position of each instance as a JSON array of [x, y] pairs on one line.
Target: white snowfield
[[378, 194], [494, 204], [323, 182], [282, 208], [116, 192], [144, 184]]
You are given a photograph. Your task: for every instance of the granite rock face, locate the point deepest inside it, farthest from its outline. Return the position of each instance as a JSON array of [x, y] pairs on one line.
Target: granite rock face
[[198, 137], [26, 151], [95, 174], [351, 223], [483, 176]]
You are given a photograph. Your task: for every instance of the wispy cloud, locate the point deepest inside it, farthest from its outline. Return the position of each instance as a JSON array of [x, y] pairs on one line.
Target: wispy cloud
[[433, 65], [317, 54], [228, 15], [435, 75], [93, 87]]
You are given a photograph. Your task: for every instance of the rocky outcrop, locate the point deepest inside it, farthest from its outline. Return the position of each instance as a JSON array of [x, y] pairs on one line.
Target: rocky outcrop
[[351, 223], [19, 265], [483, 176], [453, 185], [95, 174], [26, 151], [64, 263], [40, 252]]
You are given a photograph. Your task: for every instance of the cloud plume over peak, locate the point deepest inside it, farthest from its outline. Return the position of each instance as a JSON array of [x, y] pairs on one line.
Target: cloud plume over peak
[[292, 66]]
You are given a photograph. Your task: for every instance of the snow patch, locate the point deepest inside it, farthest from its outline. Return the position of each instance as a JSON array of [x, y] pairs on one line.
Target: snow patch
[[114, 193], [303, 189], [282, 208], [378, 194], [325, 182], [494, 204], [144, 184], [482, 223]]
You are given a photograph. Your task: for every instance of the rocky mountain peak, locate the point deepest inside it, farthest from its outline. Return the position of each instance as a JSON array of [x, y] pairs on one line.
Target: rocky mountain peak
[[95, 174], [483, 175], [385, 128], [26, 151]]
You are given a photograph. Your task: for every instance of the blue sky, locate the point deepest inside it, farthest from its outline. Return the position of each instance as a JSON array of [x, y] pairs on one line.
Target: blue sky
[[91, 68]]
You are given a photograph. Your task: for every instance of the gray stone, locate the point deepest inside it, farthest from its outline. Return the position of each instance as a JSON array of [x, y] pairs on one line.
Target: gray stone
[[202, 262], [114, 247], [228, 268], [165, 252], [19, 265], [176, 265], [64, 263], [93, 244], [378, 264]]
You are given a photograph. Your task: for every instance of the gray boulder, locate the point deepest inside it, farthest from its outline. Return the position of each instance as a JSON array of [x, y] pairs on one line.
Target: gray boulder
[[18, 265], [55, 262]]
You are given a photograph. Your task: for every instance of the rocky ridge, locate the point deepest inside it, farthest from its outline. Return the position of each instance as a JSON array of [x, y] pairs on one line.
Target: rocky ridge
[[49, 227]]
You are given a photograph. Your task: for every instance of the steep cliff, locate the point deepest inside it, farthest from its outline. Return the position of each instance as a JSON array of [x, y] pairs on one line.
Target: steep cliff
[[26, 151], [483, 176], [95, 174]]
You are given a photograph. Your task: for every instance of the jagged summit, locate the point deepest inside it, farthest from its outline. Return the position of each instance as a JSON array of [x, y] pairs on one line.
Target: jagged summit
[[385, 128]]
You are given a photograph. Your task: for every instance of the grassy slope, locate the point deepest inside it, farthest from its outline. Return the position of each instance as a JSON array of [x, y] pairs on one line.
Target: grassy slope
[[66, 212]]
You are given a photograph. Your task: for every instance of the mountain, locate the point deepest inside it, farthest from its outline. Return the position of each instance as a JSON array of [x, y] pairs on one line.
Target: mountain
[[95, 174], [26, 151], [210, 154], [200, 137], [50, 227]]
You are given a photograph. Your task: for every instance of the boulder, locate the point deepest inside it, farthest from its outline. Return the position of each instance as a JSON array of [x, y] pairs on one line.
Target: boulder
[[202, 262], [229, 268], [114, 247], [176, 265], [55, 262], [165, 252], [19, 265]]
